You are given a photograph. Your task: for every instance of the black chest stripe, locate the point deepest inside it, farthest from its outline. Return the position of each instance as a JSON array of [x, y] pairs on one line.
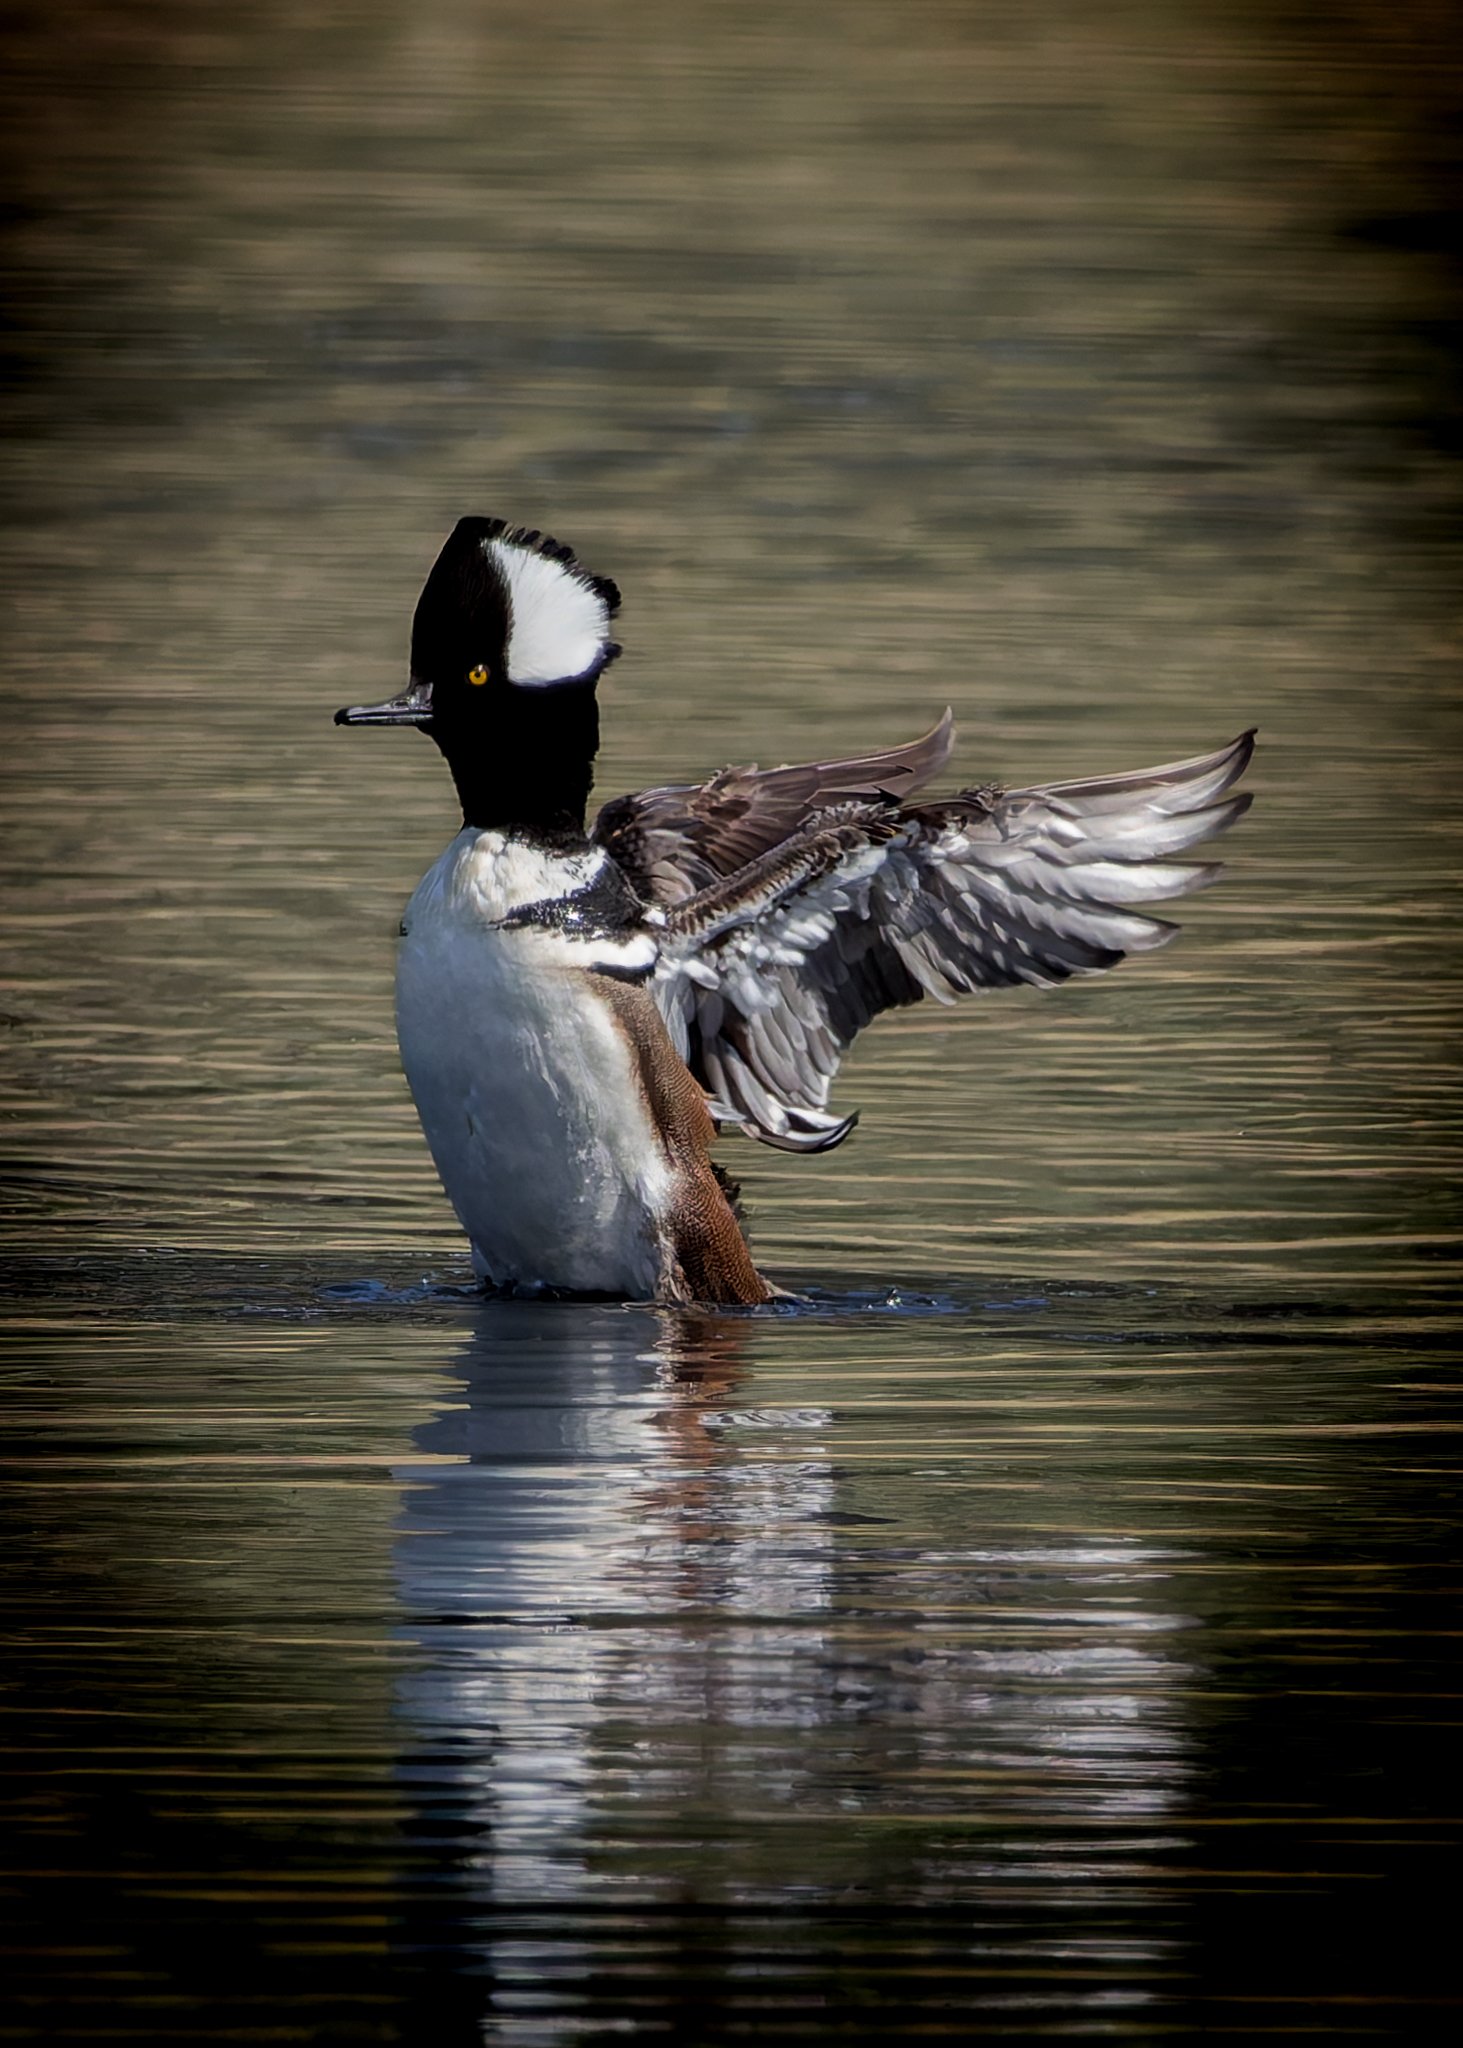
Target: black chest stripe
[[605, 908], [635, 975]]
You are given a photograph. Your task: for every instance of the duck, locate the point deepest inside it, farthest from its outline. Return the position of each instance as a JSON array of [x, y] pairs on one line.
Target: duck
[[584, 1007]]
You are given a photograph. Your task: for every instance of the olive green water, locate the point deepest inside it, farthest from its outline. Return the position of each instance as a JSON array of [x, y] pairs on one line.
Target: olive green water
[[1050, 1628]]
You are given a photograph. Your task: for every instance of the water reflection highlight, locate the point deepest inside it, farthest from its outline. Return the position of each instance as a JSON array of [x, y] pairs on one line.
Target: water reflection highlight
[[671, 1664]]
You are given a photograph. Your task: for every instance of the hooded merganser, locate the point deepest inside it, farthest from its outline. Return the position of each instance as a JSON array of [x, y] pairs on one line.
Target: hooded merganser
[[579, 1010]]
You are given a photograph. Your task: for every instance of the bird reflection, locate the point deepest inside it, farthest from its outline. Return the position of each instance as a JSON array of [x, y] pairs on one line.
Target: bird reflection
[[666, 1668]]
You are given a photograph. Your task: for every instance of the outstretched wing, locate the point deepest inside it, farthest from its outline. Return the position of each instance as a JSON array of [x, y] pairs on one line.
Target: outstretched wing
[[768, 974], [675, 841]]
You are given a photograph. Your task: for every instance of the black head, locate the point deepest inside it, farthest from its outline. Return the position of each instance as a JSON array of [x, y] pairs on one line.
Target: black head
[[510, 637]]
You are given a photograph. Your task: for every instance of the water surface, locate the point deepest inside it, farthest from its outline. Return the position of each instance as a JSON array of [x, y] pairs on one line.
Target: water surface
[[1047, 1625]]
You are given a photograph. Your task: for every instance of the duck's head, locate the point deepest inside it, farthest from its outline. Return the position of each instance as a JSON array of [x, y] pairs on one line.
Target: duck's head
[[511, 635]]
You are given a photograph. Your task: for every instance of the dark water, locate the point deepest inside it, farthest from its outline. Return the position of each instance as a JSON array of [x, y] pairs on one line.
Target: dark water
[[1048, 1625]]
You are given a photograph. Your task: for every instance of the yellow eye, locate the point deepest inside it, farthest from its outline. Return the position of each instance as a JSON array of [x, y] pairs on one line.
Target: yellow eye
[[477, 674]]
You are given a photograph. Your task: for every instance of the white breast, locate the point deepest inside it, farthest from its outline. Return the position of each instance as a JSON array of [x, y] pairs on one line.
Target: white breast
[[526, 1087]]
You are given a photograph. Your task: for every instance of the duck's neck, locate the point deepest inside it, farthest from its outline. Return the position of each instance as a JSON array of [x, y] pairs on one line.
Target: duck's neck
[[533, 771]]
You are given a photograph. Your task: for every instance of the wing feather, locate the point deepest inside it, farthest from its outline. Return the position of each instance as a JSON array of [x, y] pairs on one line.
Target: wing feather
[[769, 972], [674, 841]]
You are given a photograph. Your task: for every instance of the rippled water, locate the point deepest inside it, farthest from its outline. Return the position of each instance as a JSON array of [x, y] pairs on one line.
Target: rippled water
[[1044, 1626]]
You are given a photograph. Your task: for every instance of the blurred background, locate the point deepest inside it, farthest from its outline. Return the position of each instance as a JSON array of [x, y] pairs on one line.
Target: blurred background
[[1090, 368]]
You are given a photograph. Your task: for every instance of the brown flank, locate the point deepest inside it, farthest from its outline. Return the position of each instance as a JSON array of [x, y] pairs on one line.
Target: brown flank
[[706, 1257]]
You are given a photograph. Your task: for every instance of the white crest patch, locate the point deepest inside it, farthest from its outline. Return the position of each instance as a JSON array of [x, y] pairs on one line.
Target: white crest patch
[[559, 624]]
